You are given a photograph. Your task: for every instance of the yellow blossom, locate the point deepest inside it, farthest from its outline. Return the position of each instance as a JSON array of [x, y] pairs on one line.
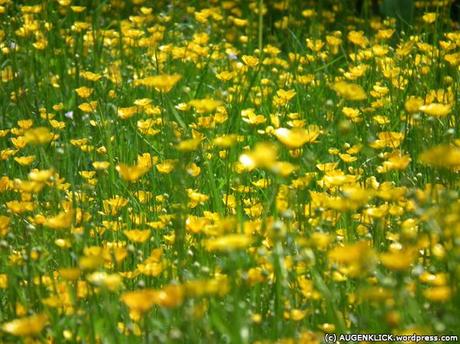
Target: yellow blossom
[[358, 38], [39, 135], [4, 225], [436, 109], [430, 17], [84, 92], [131, 173], [127, 112], [358, 258], [205, 105], [263, 155], [297, 137], [61, 221], [102, 279], [25, 327], [250, 61], [349, 91], [443, 156], [101, 165], [137, 235], [398, 260], [438, 294], [228, 242], [188, 145], [163, 83]]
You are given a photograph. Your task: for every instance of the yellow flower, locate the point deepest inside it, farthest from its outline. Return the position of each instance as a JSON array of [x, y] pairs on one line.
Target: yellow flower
[[286, 95], [249, 116], [63, 243], [131, 173], [205, 105], [295, 314], [225, 75], [297, 137], [3, 281], [84, 92], [90, 76], [391, 139], [40, 135], [61, 221], [228, 242], [145, 160], [112, 206], [398, 260], [162, 83], [188, 145], [327, 167], [453, 59], [87, 174], [356, 72], [396, 161], [25, 123], [88, 107], [263, 155], [358, 38], [166, 166], [18, 142], [193, 169], [429, 17], [78, 9], [143, 300], [146, 126], [101, 165], [196, 196], [438, 294], [413, 104], [137, 235], [25, 327], [443, 156], [283, 168], [355, 258], [250, 61], [215, 286], [25, 160], [349, 91], [436, 109], [308, 13], [127, 112], [383, 34], [353, 114], [314, 44], [41, 176], [150, 268], [90, 262], [347, 157], [225, 141], [4, 225], [102, 279], [140, 300], [195, 224], [377, 212], [327, 327], [19, 207]]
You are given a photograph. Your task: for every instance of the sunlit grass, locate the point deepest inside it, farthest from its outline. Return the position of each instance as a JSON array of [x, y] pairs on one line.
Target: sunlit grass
[[227, 171]]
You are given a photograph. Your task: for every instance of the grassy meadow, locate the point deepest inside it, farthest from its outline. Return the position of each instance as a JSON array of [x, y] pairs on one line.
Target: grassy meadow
[[227, 171]]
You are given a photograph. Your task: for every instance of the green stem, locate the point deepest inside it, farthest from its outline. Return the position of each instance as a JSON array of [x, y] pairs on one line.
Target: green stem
[[261, 26]]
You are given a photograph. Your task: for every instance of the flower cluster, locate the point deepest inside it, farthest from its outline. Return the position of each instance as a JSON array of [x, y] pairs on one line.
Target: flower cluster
[[226, 171]]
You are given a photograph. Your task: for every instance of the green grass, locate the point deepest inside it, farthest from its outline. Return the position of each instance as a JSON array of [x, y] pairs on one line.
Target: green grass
[[299, 249]]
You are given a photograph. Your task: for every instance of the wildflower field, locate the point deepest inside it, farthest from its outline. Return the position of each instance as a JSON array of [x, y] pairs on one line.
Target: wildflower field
[[228, 171]]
